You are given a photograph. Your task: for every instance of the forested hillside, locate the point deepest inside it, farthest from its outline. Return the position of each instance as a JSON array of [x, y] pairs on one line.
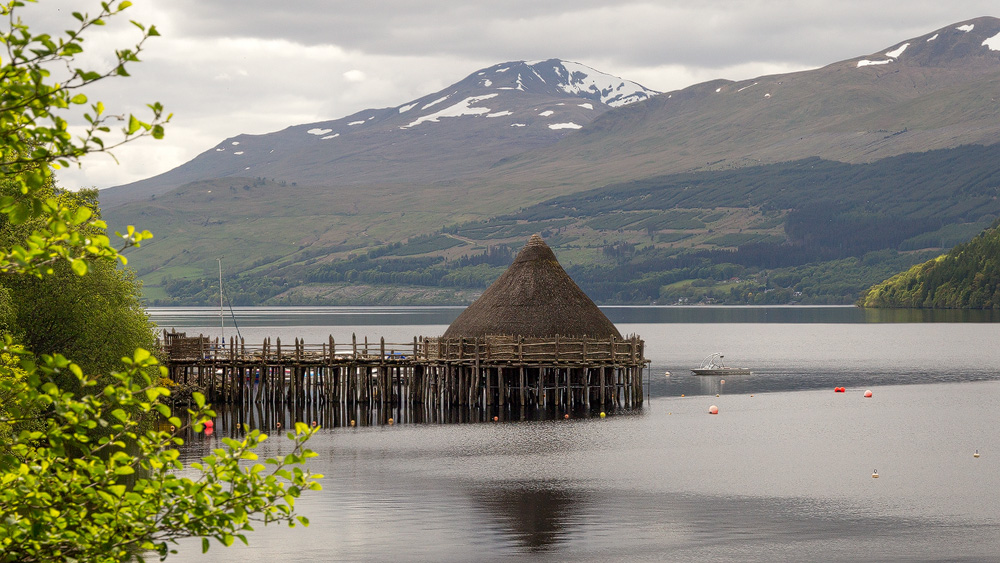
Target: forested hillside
[[809, 231], [968, 277]]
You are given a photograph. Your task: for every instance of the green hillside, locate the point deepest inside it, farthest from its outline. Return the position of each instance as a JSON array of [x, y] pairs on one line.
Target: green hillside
[[809, 231], [968, 277]]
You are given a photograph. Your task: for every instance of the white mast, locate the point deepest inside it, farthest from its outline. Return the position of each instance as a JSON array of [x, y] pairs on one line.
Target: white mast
[[222, 316]]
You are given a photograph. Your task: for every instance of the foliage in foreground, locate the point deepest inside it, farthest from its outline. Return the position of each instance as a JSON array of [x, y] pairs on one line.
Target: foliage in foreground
[[91, 474], [66, 495]]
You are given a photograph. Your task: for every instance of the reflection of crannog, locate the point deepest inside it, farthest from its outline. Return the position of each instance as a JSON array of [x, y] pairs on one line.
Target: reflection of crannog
[[534, 514]]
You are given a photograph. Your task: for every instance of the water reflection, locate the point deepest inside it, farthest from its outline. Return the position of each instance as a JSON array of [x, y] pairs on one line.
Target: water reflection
[[535, 515], [232, 420]]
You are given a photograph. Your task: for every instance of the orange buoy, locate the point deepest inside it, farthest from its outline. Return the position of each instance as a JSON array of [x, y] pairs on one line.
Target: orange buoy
[[352, 422], [314, 423], [868, 394], [496, 418], [279, 425], [722, 382], [390, 422], [172, 428], [566, 416], [682, 394], [713, 410]]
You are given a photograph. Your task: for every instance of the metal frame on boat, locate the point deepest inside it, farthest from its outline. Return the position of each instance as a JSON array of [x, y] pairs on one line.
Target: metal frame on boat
[[713, 365]]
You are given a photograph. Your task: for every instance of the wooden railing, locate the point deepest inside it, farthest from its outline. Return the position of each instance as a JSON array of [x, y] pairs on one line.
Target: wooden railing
[[488, 350]]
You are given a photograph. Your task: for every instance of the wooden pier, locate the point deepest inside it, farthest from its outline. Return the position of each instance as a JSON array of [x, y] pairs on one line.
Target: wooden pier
[[490, 372]]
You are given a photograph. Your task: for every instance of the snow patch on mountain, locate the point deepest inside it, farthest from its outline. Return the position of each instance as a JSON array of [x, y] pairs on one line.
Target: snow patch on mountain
[[895, 53], [586, 106], [612, 90], [407, 107], [866, 62], [500, 113], [546, 113], [569, 125], [435, 102], [993, 43], [966, 28], [353, 123], [317, 131], [334, 136], [465, 107], [932, 37]]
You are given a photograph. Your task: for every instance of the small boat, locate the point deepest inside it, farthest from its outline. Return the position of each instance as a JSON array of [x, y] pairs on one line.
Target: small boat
[[713, 365]]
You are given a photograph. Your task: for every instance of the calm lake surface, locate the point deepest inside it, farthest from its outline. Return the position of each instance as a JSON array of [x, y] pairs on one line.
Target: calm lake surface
[[782, 473]]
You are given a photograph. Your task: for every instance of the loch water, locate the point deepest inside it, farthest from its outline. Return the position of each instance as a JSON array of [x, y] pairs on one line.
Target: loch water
[[782, 473]]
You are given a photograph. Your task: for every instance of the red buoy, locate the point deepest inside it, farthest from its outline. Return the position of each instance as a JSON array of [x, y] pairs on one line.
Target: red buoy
[[713, 410], [868, 394]]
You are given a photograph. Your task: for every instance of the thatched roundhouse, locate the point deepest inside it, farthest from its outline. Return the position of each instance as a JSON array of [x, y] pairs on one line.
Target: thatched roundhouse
[[534, 337], [534, 298]]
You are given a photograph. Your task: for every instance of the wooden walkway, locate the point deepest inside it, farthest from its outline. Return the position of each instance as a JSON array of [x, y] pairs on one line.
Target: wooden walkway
[[432, 372]]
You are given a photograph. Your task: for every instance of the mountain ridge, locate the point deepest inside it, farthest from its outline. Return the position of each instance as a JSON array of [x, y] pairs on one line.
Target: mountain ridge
[[286, 224], [516, 106]]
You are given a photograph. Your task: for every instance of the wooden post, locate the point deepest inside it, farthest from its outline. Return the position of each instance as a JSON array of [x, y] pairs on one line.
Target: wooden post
[[520, 361]]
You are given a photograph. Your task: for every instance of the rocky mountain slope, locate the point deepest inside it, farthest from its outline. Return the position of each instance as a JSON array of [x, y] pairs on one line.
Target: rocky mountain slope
[[500, 111]]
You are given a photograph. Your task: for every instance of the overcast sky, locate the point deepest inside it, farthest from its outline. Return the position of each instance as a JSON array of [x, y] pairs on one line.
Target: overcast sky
[[225, 67]]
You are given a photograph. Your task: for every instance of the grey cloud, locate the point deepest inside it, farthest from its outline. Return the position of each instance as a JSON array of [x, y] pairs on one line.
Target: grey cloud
[[712, 33]]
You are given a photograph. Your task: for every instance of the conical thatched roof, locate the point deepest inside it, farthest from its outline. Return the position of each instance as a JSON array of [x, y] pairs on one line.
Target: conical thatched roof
[[534, 298]]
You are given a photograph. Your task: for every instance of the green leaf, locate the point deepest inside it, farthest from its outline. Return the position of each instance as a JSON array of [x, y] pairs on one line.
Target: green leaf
[[79, 267], [133, 125]]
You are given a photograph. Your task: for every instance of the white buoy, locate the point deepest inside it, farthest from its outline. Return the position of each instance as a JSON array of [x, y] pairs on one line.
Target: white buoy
[[666, 373]]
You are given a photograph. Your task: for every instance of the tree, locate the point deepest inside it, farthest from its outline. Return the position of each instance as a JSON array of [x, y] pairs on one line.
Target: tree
[[87, 474]]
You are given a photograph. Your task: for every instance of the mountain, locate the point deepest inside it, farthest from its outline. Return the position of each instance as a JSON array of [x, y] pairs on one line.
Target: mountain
[[968, 277], [496, 112], [653, 197], [937, 90]]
